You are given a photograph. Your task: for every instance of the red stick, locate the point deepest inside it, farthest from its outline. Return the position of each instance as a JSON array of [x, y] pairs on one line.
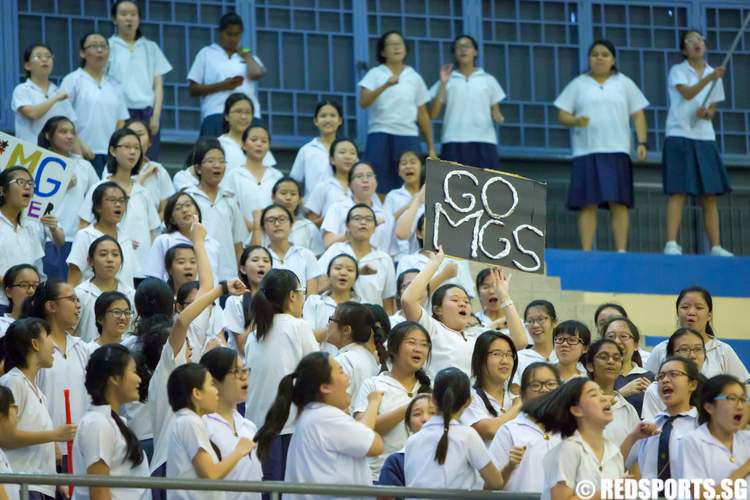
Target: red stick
[[69, 420]]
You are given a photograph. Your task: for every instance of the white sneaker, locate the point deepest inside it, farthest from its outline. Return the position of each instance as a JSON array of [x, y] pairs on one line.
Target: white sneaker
[[672, 248], [718, 251]]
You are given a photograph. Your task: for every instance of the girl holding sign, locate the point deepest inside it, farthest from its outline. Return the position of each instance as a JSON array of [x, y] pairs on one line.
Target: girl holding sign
[[597, 106], [692, 164]]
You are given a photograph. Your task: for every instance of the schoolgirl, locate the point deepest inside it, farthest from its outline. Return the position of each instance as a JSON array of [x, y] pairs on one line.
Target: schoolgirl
[[540, 319], [493, 313], [607, 311], [692, 163], [180, 211], [226, 426], [633, 379], [452, 339], [8, 426], [105, 259], [402, 282], [152, 176], [238, 116], [679, 384], [191, 454], [343, 155], [411, 172], [493, 367], [19, 283], [30, 445], [97, 99], [328, 445], [109, 202], [113, 312], [472, 98], [572, 340], [38, 99], [311, 165], [286, 192], [719, 449], [281, 339], [396, 95], [140, 65], [104, 445], [221, 69], [408, 350], [597, 106], [519, 446], [378, 287], [59, 135], [445, 453], [218, 207]]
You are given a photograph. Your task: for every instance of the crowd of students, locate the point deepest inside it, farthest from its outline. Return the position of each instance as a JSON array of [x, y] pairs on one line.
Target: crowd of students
[[235, 322]]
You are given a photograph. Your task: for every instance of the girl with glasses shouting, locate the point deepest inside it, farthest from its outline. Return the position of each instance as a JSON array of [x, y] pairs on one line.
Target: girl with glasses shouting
[[19, 283], [571, 339]]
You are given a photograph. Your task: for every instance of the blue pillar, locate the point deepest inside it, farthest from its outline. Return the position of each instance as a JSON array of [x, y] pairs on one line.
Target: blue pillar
[[10, 68], [246, 10], [361, 62], [585, 32], [472, 20]]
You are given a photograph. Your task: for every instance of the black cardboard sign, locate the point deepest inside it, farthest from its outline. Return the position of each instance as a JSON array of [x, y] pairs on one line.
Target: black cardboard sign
[[485, 215]]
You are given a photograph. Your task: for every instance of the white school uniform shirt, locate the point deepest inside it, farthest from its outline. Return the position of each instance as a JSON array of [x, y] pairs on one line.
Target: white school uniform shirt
[[702, 456], [450, 348], [97, 107], [162, 416], [608, 106], [485, 320], [184, 179], [225, 224], [155, 265], [359, 363], [235, 156], [682, 120], [625, 420], [398, 317], [305, 234], [466, 455], [395, 396], [647, 450], [75, 197], [29, 94], [382, 239], [5, 321], [477, 410], [213, 65], [528, 356], [87, 292], [396, 199], [317, 310], [311, 165], [12, 491], [206, 327], [468, 114], [418, 260], [523, 431], [395, 110], [720, 359], [288, 341], [79, 253], [21, 245], [371, 289], [99, 438], [300, 261], [187, 437], [159, 184], [573, 461], [221, 433], [135, 67], [328, 447], [324, 194]]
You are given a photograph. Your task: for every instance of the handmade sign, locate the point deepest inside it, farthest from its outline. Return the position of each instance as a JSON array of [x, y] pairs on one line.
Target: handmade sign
[[485, 215], [50, 171]]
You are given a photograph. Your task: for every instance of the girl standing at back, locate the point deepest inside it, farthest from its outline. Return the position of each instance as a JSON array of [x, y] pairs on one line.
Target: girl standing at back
[[311, 166], [343, 155], [152, 176], [238, 116], [445, 453]]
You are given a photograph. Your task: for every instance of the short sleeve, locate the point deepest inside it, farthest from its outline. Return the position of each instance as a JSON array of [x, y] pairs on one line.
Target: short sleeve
[[500, 447], [298, 167], [122, 108], [79, 252], [732, 364], [370, 80], [315, 202], [166, 188], [677, 77], [159, 63], [475, 412], [328, 256], [15, 385], [68, 85], [154, 266], [86, 211], [389, 290], [479, 457], [434, 90], [234, 317], [307, 339], [20, 98], [651, 403], [359, 403], [189, 434], [636, 100], [96, 442], [239, 230], [561, 465], [566, 101], [497, 93], [197, 71], [422, 94], [312, 269], [717, 95], [347, 436], [332, 220], [691, 457], [428, 323]]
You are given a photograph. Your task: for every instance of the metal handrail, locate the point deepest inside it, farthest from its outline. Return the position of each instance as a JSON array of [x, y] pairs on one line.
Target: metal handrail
[[272, 487]]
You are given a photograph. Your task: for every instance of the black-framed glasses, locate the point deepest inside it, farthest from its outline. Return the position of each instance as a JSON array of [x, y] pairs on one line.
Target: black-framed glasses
[[240, 372], [97, 46], [568, 340], [272, 221], [362, 218], [334, 320], [687, 351], [606, 357], [550, 385], [670, 374], [73, 298], [20, 181], [120, 313], [26, 285]]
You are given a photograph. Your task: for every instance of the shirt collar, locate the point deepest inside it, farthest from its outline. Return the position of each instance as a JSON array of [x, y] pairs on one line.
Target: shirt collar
[[663, 415], [610, 450]]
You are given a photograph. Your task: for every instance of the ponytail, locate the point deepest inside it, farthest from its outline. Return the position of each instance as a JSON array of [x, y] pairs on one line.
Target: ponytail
[[486, 400], [133, 450], [270, 299], [446, 403], [451, 393], [424, 381], [276, 417]]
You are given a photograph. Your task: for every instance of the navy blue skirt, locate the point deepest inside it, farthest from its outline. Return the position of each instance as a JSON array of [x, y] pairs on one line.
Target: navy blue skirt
[[693, 167], [600, 179], [474, 154]]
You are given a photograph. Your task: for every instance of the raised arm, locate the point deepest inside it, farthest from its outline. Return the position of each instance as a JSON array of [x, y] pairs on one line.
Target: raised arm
[[410, 304]]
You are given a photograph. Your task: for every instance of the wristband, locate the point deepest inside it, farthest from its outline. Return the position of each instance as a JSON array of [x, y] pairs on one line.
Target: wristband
[[245, 50], [506, 304], [224, 287]]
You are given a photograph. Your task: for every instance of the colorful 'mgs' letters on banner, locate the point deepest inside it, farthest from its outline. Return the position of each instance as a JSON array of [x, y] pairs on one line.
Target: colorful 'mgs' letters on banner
[[50, 171], [485, 215]]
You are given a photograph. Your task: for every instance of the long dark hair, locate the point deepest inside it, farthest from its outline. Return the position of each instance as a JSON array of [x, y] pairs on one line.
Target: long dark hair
[[219, 362], [181, 383], [5, 178], [552, 410], [548, 307], [169, 207], [270, 298], [335, 144], [108, 361], [10, 277], [47, 291], [113, 140], [636, 358], [362, 323], [712, 388], [609, 305], [594, 349], [706, 297], [233, 99], [479, 364], [6, 401], [451, 392], [48, 130], [678, 334], [396, 337], [17, 341], [300, 387]]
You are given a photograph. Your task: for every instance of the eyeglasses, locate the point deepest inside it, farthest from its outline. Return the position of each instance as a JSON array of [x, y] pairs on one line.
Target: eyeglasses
[[362, 218], [281, 219], [414, 343], [687, 351], [536, 321], [550, 385], [241, 112], [214, 163], [571, 341], [363, 176], [183, 206], [501, 354], [73, 298], [695, 38], [623, 337], [742, 400], [128, 147], [334, 320], [120, 313], [240, 372], [670, 374], [25, 285], [23, 182], [43, 57], [117, 201], [606, 358], [97, 46], [301, 290]]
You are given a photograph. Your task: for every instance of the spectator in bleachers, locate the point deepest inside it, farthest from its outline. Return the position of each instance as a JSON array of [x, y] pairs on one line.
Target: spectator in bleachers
[[472, 98], [238, 116], [343, 155], [312, 163], [19, 283], [540, 319], [572, 339], [152, 175], [397, 96], [692, 163], [139, 65], [598, 106], [220, 69], [397, 201], [605, 312], [633, 379], [37, 99], [98, 99]]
